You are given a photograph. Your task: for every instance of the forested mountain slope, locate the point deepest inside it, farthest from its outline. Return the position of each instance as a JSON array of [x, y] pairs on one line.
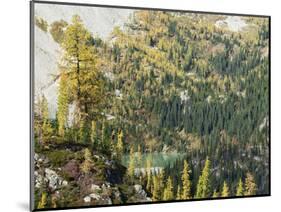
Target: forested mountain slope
[[189, 86], [165, 83]]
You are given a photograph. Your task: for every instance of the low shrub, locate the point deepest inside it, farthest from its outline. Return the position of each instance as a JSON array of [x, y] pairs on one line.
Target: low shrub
[[59, 157]]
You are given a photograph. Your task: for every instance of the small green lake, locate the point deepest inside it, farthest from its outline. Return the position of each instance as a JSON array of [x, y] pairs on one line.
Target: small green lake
[[162, 160]]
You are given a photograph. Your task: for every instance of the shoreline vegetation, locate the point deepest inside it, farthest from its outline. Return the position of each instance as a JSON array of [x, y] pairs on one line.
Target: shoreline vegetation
[[172, 107]]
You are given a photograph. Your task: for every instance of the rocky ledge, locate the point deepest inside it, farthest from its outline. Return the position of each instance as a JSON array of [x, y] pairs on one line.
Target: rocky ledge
[[102, 185]]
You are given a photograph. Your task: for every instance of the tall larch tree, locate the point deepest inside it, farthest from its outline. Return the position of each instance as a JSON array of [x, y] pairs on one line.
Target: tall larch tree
[[81, 66], [186, 184], [250, 185], [225, 190], [43, 201], [203, 186], [86, 165], [168, 191], [240, 189], [156, 188], [62, 104]]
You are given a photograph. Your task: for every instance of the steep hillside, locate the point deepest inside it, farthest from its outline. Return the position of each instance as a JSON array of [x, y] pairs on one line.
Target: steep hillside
[[99, 21]]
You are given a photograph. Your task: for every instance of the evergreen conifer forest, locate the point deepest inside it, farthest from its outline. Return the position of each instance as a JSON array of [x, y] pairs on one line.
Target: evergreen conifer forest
[[172, 106]]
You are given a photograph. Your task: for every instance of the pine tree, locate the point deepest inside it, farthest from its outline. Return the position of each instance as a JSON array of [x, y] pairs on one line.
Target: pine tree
[[168, 191], [43, 201], [186, 184], [105, 142], [203, 186], [250, 185], [131, 168], [80, 65], [43, 128], [225, 190], [62, 104], [240, 189], [119, 146]]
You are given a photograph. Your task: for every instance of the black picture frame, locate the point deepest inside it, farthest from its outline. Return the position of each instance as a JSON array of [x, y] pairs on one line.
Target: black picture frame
[[31, 108]]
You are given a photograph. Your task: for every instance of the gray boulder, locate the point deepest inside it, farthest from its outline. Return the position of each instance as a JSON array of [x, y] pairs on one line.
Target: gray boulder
[[95, 196], [39, 179], [140, 192], [36, 156], [109, 201], [95, 188], [55, 181], [138, 188], [87, 199]]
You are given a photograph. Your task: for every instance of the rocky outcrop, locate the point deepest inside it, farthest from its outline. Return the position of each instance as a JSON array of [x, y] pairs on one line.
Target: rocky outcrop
[[140, 194], [105, 194], [54, 180], [103, 185], [46, 176]]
